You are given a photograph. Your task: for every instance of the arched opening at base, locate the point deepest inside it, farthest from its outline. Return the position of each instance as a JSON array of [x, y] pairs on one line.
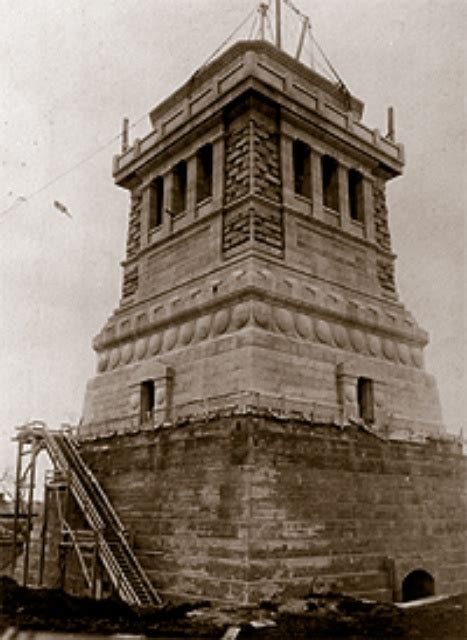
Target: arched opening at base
[[417, 584]]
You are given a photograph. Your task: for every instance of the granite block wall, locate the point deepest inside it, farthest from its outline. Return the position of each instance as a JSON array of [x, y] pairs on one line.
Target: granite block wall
[[239, 508]]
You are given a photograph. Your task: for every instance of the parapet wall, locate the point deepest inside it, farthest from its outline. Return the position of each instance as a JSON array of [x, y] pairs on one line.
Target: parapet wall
[[240, 508]]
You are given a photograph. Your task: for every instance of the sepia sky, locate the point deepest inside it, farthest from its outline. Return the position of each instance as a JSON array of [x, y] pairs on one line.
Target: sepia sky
[[70, 71]]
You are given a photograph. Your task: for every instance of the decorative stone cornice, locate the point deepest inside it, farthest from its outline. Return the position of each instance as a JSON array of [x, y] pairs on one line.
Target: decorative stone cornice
[[298, 320], [289, 289]]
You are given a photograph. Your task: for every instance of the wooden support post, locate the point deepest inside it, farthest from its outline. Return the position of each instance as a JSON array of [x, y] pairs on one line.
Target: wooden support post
[[17, 504], [63, 548], [66, 510], [45, 518], [94, 566], [32, 479], [62, 558]]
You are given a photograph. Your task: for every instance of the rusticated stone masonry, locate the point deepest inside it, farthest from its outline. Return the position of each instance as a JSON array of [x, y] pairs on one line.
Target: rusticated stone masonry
[[237, 163], [385, 265], [237, 224], [385, 272], [252, 167], [237, 184], [267, 227], [130, 282], [383, 236], [134, 226], [130, 276], [266, 166]]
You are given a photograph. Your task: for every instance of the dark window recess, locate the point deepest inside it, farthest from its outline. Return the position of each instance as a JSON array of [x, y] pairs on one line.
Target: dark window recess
[[365, 399], [156, 203], [147, 400], [329, 170], [356, 195], [204, 173], [179, 188], [417, 584], [302, 168]]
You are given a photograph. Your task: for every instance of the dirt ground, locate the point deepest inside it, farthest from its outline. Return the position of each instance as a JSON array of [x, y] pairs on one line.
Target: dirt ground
[[330, 616]]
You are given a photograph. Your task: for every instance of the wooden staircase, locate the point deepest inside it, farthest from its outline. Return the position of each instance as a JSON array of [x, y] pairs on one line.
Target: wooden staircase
[[106, 531]]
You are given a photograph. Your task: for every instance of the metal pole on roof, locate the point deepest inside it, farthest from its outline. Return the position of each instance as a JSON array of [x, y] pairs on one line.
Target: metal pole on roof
[[263, 9], [125, 134], [278, 23], [306, 22], [391, 135], [312, 56]]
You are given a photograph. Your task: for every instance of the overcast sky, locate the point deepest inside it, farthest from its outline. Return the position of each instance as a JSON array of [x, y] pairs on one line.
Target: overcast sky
[[70, 71]]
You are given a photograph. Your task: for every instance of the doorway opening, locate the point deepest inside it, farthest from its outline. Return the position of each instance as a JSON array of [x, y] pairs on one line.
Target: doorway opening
[[417, 584]]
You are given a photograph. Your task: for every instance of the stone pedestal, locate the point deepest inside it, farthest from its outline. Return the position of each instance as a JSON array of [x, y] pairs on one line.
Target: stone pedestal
[[242, 507]]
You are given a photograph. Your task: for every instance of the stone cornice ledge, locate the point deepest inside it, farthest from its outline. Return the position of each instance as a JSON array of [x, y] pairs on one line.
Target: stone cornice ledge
[[263, 304]]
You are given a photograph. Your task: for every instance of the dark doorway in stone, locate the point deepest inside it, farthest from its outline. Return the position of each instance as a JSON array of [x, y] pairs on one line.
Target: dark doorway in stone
[[417, 584], [147, 400], [365, 400]]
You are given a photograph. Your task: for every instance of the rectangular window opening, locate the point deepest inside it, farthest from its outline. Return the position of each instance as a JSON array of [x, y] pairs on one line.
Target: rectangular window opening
[[204, 173], [302, 168], [356, 195], [329, 169], [156, 203], [147, 401], [365, 399], [179, 187]]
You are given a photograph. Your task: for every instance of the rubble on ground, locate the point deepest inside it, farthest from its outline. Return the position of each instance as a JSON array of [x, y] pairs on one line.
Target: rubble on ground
[[317, 616]]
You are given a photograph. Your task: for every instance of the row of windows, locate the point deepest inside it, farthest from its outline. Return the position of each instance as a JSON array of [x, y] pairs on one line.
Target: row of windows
[[330, 180], [179, 187], [365, 400], [302, 183]]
